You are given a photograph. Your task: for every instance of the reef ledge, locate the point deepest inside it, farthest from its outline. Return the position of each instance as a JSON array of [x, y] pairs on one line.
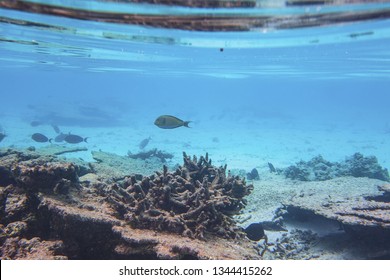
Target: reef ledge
[[47, 212]]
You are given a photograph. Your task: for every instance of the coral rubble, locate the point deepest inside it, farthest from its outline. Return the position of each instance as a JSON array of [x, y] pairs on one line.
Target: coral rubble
[[319, 169], [154, 153], [48, 213]]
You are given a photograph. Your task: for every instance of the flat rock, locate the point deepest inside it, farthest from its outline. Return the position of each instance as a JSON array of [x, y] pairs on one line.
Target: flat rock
[[109, 165], [358, 204], [60, 149]]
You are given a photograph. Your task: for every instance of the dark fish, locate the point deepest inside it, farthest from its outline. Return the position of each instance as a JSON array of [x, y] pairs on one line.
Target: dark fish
[[255, 231], [144, 143], [36, 123], [56, 128], [74, 139], [169, 122], [253, 175], [39, 137], [271, 167], [60, 137], [2, 136]]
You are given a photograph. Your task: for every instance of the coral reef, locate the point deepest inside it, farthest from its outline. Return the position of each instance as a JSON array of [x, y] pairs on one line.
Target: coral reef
[[196, 199], [48, 213], [319, 169]]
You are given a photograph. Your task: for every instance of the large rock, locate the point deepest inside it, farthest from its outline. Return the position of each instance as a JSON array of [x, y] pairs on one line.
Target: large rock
[[360, 205]]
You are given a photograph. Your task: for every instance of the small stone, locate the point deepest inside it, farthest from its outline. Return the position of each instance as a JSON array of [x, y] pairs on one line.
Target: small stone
[[15, 229]]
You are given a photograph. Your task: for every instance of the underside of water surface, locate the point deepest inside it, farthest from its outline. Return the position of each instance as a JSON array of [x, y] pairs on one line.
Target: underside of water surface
[[216, 38]]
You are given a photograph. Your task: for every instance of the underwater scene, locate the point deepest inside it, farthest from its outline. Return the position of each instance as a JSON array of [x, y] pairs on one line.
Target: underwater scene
[[183, 129]]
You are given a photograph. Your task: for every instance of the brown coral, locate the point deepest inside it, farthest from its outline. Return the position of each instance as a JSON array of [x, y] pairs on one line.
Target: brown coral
[[196, 199]]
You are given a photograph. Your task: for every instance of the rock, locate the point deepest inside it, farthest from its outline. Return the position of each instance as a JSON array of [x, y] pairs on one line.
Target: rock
[[16, 205], [15, 229], [31, 249], [117, 167], [90, 178], [149, 244], [30, 170], [294, 245], [363, 216], [385, 188], [49, 177]]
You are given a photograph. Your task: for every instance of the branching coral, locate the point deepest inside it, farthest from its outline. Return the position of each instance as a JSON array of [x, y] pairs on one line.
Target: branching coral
[[196, 199]]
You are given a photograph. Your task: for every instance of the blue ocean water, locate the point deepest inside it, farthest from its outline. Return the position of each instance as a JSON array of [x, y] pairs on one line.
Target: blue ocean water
[[251, 96]]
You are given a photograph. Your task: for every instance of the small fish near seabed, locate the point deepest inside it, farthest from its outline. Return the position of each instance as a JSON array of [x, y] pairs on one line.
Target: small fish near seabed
[[36, 123], [253, 175], [170, 122], [272, 169], [60, 137], [255, 231], [40, 138], [2, 136], [74, 139], [144, 143], [56, 128]]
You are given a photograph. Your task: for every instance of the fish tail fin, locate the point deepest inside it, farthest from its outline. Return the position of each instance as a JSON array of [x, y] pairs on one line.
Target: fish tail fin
[[50, 140], [187, 123], [85, 139]]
